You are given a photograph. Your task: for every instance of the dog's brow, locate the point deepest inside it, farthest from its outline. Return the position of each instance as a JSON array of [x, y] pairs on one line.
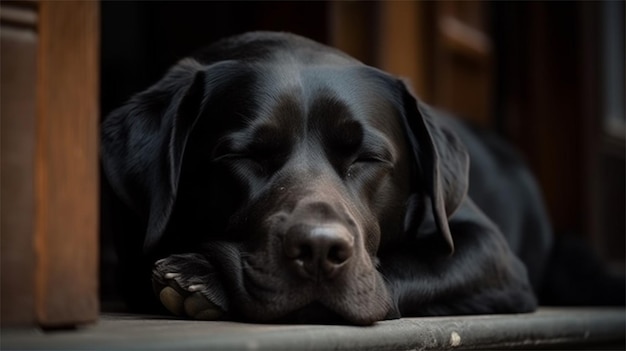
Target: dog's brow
[[380, 145], [269, 136]]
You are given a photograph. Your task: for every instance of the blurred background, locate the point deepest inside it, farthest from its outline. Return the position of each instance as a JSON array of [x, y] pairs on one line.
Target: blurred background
[[548, 76]]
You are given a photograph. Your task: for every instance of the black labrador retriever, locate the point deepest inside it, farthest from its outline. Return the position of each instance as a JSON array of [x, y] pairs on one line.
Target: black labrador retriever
[[271, 178]]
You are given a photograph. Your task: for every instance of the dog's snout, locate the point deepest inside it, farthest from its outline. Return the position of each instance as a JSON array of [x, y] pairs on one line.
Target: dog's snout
[[318, 252]]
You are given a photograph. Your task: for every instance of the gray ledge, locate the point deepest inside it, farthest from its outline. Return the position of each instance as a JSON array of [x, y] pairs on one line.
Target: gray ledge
[[551, 328]]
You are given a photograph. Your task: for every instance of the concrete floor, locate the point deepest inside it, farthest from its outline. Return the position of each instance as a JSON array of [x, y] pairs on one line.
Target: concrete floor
[[549, 328]]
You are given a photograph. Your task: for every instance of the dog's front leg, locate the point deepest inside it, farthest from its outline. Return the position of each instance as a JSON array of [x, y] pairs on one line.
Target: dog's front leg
[[188, 285]]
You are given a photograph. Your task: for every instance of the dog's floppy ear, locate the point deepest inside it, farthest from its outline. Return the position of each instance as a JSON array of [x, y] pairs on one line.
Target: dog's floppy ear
[[441, 159], [143, 144]]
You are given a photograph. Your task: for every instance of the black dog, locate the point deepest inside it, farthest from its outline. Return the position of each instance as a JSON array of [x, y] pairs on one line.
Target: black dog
[[273, 178]]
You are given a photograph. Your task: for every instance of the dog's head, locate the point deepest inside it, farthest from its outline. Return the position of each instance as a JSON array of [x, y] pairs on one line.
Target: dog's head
[[301, 160]]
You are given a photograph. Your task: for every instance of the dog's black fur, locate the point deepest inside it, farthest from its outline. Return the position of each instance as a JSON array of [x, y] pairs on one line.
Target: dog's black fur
[[284, 180]]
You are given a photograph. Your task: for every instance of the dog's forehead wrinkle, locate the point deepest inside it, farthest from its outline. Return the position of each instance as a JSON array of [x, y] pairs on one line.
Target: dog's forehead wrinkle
[[282, 113]]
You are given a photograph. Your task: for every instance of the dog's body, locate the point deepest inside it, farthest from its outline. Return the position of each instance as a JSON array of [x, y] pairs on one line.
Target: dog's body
[[280, 179]]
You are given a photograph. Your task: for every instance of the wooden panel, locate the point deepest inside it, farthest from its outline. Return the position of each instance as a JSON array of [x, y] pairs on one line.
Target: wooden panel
[[402, 47], [352, 28], [444, 49], [463, 61], [17, 146], [67, 163]]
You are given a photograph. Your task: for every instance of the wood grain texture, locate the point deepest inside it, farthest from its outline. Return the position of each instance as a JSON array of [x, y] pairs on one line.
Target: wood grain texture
[[464, 61], [402, 43], [67, 163], [352, 28], [17, 144]]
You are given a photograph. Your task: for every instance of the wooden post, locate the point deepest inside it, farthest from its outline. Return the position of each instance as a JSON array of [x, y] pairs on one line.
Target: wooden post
[[50, 164]]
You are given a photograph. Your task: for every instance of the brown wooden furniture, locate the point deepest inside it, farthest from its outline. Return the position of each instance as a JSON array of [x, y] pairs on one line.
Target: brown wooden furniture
[[49, 160]]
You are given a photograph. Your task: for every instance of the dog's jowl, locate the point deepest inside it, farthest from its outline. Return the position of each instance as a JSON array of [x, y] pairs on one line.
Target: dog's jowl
[[271, 178]]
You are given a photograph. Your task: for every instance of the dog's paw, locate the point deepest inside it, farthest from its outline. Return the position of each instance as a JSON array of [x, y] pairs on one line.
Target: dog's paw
[[188, 286]]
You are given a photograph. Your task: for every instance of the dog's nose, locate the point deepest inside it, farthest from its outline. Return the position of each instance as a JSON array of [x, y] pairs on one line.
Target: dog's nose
[[318, 252]]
